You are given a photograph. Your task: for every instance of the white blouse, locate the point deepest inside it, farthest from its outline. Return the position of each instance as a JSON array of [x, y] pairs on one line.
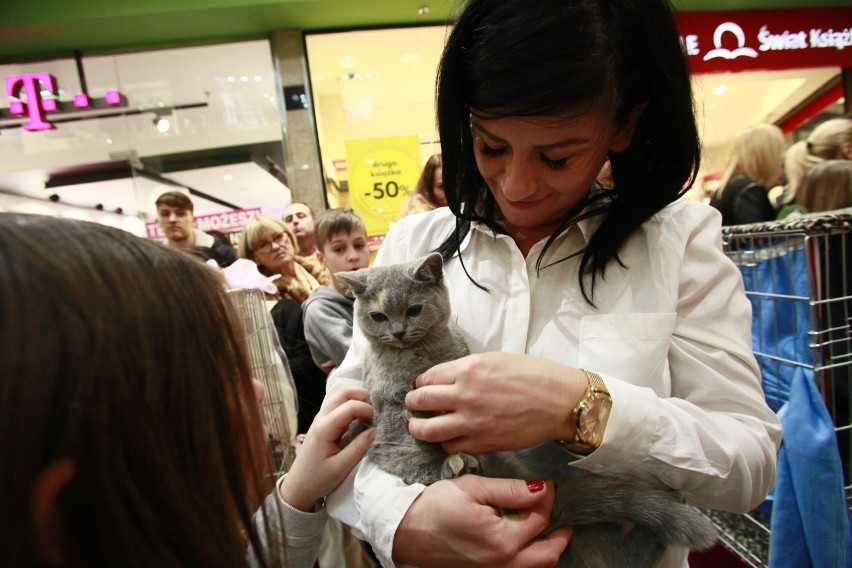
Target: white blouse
[[670, 335]]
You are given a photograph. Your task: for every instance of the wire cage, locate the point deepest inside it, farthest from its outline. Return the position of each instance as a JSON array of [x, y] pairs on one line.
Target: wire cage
[[269, 366], [798, 277]]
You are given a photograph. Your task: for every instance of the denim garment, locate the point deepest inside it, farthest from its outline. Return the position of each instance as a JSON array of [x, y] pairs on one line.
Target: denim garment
[[810, 519], [810, 525]]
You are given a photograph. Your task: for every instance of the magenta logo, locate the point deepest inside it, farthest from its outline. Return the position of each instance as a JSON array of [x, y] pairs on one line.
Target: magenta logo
[[40, 92]]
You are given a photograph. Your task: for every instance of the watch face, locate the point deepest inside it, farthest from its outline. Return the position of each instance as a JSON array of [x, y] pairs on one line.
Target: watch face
[[594, 418]]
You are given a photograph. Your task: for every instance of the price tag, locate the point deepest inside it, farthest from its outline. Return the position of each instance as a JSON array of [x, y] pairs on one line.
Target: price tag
[[382, 174]]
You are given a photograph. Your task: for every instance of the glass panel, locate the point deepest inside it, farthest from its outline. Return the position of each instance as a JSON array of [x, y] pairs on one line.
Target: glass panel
[[200, 119]]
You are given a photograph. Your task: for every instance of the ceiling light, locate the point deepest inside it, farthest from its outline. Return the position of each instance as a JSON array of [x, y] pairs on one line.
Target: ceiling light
[[423, 10], [720, 90], [163, 125], [410, 57], [348, 62], [228, 177]]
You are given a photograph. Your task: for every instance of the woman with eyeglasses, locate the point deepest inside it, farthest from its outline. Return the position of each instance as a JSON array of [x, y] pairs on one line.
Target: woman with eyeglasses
[[272, 246]]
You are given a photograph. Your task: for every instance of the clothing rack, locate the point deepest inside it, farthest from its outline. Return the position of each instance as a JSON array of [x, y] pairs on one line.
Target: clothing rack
[[798, 276]]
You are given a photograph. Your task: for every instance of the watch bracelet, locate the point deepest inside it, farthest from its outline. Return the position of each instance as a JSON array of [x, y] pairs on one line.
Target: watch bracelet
[[595, 382]]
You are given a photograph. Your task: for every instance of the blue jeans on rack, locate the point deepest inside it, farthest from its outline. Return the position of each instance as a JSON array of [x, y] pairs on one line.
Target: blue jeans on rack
[[809, 516]]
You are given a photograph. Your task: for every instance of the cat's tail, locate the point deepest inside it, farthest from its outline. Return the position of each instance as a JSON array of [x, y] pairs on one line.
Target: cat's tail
[[652, 507]]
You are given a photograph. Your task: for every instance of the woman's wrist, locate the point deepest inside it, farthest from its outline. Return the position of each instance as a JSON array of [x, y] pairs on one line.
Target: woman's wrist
[[297, 499]]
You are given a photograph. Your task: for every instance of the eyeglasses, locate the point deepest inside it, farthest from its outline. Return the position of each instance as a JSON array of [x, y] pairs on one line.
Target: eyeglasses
[[265, 245]]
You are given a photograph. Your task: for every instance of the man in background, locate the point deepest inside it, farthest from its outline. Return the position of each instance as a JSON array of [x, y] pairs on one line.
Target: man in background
[[300, 218], [175, 218]]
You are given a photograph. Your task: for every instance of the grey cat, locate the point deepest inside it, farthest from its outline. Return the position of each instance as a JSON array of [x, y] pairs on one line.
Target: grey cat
[[404, 310]]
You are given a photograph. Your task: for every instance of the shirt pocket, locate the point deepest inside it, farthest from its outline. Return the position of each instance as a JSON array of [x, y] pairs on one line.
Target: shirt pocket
[[631, 346]]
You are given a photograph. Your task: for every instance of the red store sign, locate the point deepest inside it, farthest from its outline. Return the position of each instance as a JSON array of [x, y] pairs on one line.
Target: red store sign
[[751, 40]]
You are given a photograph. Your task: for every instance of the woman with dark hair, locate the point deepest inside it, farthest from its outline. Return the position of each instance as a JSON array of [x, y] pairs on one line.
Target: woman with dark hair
[[130, 428], [609, 331], [429, 191]]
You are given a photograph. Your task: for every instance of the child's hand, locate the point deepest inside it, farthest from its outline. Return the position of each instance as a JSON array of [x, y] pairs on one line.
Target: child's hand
[[321, 463]]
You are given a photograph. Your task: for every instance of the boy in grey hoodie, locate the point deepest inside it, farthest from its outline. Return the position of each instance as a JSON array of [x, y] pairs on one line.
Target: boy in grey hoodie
[[341, 240]]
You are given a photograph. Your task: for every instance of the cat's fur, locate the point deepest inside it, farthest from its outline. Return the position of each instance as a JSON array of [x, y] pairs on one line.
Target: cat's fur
[[404, 311]]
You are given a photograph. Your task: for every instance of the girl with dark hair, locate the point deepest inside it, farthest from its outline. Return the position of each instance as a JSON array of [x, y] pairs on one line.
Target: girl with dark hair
[[130, 428], [610, 333], [429, 191]]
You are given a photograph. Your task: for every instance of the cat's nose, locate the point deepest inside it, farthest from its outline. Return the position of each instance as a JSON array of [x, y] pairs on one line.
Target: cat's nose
[[399, 334]]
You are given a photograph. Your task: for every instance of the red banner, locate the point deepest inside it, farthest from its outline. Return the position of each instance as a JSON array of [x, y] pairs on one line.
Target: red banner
[[750, 40], [227, 222]]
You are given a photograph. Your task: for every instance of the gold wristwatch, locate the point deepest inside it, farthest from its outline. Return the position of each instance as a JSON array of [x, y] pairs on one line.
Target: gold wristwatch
[[589, 417]]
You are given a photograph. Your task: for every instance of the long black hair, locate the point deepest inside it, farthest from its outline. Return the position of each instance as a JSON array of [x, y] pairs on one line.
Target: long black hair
[[559, 58]]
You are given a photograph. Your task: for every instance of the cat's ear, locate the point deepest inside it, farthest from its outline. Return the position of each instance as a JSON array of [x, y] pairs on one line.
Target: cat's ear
[[355, 281], [429, 269]]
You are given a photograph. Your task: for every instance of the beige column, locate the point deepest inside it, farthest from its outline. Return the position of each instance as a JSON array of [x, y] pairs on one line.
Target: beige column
[[302, 161]]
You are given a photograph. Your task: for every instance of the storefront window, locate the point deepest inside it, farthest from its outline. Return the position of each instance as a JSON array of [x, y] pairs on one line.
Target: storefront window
[[371, 87], [381, 83], [200, 119]]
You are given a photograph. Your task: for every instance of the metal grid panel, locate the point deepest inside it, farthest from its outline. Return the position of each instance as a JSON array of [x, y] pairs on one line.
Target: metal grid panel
[[798, 277], [269, 366]]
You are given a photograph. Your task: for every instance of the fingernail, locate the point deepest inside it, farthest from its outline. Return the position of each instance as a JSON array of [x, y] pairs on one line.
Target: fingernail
[[406, 424], [414, 384], [535, 486]]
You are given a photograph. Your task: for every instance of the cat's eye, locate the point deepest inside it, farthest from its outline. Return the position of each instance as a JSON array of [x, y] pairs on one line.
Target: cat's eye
[[378, 316], [414, 311]]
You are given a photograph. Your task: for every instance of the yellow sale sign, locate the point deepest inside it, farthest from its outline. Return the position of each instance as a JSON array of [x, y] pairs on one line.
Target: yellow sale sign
[[382, 174]]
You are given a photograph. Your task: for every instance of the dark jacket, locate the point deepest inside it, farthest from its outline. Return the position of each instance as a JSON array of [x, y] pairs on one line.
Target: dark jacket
[[309, 378], [742, 201]]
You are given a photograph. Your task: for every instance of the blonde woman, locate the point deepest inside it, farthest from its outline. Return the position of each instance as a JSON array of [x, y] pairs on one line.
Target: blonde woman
[[832, 140], [827, 186], [273, 247], [755, 166]]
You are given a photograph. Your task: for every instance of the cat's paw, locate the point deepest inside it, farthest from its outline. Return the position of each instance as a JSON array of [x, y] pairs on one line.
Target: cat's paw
[[457, 465]]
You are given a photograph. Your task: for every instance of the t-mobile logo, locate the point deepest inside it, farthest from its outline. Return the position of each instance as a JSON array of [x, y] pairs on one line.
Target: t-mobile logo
[[40, 93]]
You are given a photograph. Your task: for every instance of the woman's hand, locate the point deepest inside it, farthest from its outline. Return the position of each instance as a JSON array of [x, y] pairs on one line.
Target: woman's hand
[[458, 523], [321, 463], [495, 401]]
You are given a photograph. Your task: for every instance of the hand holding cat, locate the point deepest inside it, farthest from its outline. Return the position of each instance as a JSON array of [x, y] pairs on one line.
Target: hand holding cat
[[495, 402], [458, 523], [321, 463]]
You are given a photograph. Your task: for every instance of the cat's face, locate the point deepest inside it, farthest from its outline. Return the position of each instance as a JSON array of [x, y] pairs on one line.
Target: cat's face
[[400, 305]]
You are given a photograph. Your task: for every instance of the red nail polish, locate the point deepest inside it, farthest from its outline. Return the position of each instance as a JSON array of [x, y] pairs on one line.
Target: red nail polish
[[414, 384], [535, 486]]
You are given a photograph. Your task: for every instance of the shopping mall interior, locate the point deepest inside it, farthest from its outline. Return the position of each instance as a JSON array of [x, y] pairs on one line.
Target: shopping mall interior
[[202, 110], [247, 105]]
